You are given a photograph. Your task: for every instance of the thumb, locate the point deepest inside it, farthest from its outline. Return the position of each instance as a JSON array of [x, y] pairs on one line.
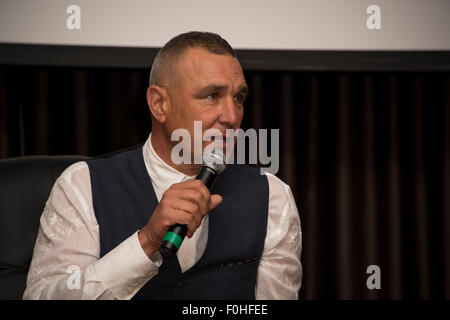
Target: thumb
[[216, 199]]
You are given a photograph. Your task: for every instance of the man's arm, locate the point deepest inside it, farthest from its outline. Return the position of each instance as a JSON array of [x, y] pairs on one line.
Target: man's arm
[[66, 263], [280, 269]]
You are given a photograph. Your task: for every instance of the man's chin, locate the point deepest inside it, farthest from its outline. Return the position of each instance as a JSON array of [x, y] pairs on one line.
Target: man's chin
[[226, 147]]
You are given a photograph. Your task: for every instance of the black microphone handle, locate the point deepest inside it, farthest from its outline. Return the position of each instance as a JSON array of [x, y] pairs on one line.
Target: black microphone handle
[[207, 176], [175, 236]]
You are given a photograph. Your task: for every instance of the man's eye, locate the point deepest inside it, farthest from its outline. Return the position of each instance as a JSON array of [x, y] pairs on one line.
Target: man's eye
[[239, 98]]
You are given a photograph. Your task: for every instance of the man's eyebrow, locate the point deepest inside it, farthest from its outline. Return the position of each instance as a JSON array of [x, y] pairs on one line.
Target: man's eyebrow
[[210, 88], [243, 89]]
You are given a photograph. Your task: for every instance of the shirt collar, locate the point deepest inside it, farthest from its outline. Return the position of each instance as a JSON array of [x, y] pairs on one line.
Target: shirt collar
[[161, 174]]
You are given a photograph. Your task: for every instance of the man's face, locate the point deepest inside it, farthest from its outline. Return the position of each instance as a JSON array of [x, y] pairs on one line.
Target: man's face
[[210, 88]]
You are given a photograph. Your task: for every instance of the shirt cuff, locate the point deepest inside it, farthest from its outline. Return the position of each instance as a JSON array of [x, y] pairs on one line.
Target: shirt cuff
[[126, 268]]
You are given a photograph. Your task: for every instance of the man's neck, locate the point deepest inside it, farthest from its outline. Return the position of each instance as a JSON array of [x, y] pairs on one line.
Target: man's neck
[[164, 150]]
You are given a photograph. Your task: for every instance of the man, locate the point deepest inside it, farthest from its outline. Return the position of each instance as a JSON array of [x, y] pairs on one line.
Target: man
[[106, 218]]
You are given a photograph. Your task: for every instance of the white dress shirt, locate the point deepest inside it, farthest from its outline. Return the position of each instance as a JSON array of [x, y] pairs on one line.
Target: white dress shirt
[[66, 262]]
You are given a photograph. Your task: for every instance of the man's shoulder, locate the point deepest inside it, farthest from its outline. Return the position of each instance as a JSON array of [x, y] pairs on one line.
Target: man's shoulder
[[245, 169], [74, 182], [278, 188], [276, 180], [80, 171], [249, 171], [246, 175], [74, 171], [116, 155], [117, 163]]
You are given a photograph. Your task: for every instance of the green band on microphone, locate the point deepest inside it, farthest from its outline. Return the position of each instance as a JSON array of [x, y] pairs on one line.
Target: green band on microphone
[[174, 238]]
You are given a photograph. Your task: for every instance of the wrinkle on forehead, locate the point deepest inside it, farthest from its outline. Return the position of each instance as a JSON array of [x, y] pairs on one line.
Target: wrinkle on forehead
[[200, 67]]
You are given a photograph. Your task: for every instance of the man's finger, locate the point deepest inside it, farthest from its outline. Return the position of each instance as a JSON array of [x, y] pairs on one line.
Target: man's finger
[[195, 184], [216, 199]]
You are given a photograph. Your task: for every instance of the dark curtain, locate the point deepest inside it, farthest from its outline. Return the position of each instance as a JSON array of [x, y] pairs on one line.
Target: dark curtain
[[367, 156]]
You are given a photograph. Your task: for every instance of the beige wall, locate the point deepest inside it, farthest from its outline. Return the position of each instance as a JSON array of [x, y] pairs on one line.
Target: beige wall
[[289, 24]]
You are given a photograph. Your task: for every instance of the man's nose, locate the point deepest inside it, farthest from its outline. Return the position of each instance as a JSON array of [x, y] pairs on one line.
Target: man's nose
[[230, 113]]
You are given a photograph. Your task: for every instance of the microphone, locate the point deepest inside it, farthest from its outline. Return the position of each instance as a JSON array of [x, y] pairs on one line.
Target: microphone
[[213, 164]]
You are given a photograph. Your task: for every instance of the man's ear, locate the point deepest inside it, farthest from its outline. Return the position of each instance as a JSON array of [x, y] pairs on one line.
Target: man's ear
[[158, 102]]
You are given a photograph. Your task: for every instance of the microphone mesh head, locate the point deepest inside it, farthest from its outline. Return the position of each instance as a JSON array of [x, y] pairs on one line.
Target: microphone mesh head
[[215, 159]]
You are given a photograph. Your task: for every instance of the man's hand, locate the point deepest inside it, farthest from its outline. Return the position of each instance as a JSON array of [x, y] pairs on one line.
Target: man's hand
[[183, 203]]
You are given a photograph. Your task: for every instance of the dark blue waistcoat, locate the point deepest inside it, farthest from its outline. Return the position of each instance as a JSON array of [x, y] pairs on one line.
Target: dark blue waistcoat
[[124, 200]]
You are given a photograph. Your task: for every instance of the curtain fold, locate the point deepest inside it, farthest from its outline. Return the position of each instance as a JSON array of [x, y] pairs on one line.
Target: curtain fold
[[311, 226], [393, 196], [446, 190], [369, 214], [419, 195]]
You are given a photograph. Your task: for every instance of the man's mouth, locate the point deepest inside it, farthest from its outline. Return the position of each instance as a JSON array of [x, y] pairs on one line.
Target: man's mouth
[[222, 141]]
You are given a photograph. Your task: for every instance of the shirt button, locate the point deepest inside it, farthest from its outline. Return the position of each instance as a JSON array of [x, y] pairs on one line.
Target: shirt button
[[180, 283]]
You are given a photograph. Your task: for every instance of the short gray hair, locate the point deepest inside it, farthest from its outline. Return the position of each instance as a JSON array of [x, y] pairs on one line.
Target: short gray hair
[[177, 46]]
